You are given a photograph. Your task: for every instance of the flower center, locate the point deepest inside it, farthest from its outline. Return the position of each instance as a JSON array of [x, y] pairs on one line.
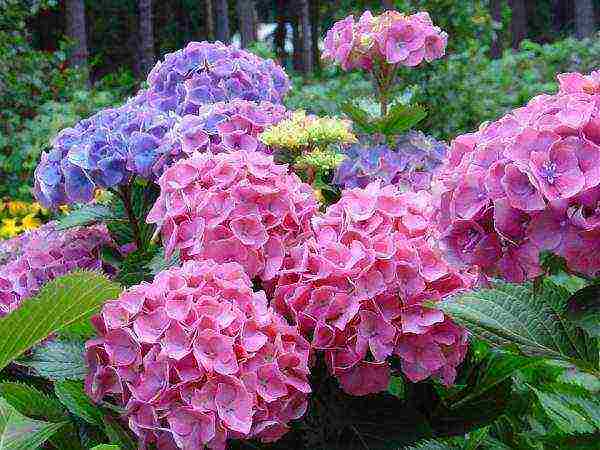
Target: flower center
[[548, 172]]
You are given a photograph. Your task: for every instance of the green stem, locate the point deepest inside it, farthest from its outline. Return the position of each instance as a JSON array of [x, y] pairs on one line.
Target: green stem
[[125, 194]]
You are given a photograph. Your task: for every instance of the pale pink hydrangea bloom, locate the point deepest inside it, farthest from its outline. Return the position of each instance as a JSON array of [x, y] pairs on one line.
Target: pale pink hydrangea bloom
[[197, 357], [527, 183], [390, 38], [357, 285], [32, 259], [238, 206]]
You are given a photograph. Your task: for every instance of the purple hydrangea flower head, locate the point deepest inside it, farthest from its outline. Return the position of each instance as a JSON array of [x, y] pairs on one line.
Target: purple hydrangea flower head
[[527, 183], [205, 72], [102, 151], [32, 259], [412, 163], [220, 128], [198, 358]]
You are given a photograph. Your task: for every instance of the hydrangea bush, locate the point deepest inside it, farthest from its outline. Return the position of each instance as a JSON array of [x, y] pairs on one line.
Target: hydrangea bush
[[197, 357], [247, 307], [356, 287], [527, 183]]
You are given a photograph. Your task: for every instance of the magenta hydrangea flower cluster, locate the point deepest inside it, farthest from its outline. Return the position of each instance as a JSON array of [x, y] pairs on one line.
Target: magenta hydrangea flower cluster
[[238, 206], [411, 164], [103, 151], [32, 259], [196, 358], [527, 183], [206, 72], [221, 127], [357, 285], [390, 38]]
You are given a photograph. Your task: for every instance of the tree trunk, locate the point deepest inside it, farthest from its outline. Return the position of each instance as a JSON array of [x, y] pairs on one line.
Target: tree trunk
[[496, 13], [518, 25], [281, 30], [146, 36], [246, 17], [75, 12], [304, 22], [222, 14], [297, 42], [387, 5], [585, 21], [315, 7], [209, 20]]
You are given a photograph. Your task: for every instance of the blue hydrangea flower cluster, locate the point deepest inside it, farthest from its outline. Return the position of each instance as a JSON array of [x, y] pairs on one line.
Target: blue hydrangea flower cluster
[[411, 163], [109, 148], [103, 151], [204, 72]]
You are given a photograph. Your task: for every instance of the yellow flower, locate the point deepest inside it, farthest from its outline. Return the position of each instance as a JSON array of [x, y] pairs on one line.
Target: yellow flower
[[17, 207], [35, 208], [9, 228], [30, 222], [64, 209]]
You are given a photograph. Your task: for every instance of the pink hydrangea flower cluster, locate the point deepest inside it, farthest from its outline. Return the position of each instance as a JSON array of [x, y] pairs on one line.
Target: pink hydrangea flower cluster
[[221, 127], [357, 286], [30, 260], [390, 38], [238, 206], [196, 358], [527, 183]]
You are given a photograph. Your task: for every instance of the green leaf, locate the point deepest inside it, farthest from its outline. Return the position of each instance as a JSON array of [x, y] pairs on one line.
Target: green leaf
[[159, 262], [572, 409], [61, 302], [359, 116], [433, 444], [106, 447], [32, 402], [118, 435], [72, 395], [497, 368], [58, 360], [396, 387], [584, 309], [513, 315], [401, 118], [88, 215], [18, 432]]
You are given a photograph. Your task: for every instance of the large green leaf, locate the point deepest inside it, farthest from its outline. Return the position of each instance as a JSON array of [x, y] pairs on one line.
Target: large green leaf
[[106, 447], [58, 360], [18, 432], [510, 315], [584, 309], [72, 396], [88, 215], [401, 118], [496, 369], [32, 402], [61, 302], [571, 408]]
